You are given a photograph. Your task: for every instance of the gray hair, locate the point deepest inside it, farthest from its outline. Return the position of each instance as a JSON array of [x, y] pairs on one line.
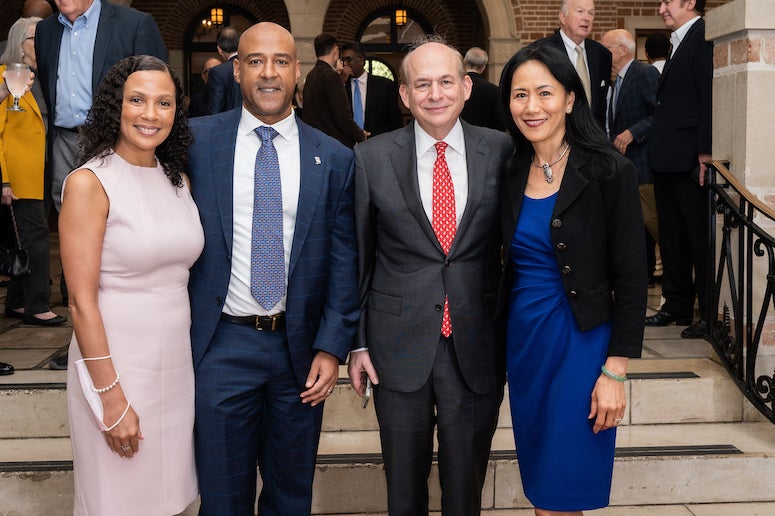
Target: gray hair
[[423, 40], [476, 59], [16, 36]]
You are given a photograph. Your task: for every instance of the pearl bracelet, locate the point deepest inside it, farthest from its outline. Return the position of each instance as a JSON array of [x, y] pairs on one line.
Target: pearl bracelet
[[106, 389], [609, 374]]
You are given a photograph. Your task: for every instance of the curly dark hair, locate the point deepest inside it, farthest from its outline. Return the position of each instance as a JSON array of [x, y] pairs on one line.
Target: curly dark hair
[[101, 130]]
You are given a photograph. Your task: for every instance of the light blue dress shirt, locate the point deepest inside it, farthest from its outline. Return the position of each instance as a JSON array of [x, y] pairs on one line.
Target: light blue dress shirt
[[76, 58]]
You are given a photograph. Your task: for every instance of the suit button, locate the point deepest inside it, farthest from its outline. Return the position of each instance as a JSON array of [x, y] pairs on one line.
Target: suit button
[[438, 307], [556, 223], [446, 263], [561, 246], [218, 301], [566, 269], [573, 294]]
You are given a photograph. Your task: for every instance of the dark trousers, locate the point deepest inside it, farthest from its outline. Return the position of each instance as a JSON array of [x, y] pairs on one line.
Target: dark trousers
[[248, 413], [32, 292], [465, 423], [682, 206]]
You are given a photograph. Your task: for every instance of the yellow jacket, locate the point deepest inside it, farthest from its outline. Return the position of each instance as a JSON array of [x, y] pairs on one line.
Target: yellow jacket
[[22, 146]]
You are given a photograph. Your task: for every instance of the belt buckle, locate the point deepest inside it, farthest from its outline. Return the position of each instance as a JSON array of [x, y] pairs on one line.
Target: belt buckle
[[274, 318]]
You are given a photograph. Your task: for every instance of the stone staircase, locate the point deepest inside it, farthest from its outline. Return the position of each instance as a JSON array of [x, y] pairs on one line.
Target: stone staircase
[[688, 440]]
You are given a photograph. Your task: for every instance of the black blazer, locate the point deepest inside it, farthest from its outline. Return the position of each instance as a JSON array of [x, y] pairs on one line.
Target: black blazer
[[121, 32], [597, 233], [223, 90], [383, 113], [484, 107], [326, 106], [681, 126], [599, 59]]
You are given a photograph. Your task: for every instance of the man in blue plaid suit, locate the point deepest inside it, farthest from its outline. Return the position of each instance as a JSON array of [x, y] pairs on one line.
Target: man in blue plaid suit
[[263, 372]]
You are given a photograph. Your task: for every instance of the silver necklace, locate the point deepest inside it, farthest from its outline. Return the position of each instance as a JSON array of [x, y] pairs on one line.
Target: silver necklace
[[548, 166]]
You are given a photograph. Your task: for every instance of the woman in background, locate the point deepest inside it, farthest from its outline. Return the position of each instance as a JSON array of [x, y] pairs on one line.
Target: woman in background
[[22, 160], [129, 232], [574, 284]]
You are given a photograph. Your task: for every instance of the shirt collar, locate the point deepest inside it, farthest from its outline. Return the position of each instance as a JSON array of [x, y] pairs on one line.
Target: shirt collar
[[569, 43], [425, 142], [679, 34], [362, 78], [92, 12], [286, 127], [624, 69]]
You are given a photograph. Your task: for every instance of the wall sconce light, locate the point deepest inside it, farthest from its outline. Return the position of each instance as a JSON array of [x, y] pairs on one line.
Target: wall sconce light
[[400, 17], [216, 16]]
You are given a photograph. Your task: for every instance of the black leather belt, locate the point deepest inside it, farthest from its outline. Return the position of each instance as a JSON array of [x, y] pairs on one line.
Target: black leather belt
[[260, 322], [68, 129]]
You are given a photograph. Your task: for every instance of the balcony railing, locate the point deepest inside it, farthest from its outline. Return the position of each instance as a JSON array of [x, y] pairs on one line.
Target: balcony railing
[[743, 289]]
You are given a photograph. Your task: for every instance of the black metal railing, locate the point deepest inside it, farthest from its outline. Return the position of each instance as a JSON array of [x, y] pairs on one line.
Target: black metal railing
[[742, 259]]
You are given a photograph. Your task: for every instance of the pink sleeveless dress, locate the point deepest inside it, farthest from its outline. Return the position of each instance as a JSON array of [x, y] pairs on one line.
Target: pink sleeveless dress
[[152, 238]]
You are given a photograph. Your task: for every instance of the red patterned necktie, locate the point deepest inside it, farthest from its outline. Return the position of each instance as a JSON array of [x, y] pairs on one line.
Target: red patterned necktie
[[444, 221]]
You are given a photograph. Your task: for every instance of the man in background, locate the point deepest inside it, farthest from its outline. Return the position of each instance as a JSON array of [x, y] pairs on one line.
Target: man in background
[[326, 106], [222, 90], [680, 145], [657, 50], [591, 59], [198, 106], [483, 107], [374, 99]]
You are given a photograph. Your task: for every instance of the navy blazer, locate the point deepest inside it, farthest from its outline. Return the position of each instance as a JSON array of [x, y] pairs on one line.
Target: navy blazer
[[121, 32], [681, 127], [322, 295], [634, 107], [223, 90], [597, 232], [599, 59]]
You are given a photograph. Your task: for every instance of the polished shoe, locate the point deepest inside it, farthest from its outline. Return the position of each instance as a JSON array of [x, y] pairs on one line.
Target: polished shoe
[[34, 321], [695, 331], [5, 369], [58, 363], [13, 314], [663, 318]]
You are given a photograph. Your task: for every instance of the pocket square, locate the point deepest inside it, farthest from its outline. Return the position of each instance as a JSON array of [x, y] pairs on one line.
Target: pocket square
[[602, 83], [317, 160]]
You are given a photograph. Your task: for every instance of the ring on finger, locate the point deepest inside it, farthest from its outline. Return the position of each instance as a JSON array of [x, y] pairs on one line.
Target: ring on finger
[[329, 391], [126, 448], [617, 420]]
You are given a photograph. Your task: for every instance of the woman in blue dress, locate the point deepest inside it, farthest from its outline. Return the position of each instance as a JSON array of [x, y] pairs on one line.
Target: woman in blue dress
[[574, 287]]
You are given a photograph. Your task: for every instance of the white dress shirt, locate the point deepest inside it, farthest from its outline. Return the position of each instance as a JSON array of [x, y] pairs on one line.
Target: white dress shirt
[[456, 161], [678, 35], [570, 49], [239, 300]]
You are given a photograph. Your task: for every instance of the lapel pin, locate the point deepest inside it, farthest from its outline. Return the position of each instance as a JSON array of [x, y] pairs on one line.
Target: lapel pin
[[317, 160]]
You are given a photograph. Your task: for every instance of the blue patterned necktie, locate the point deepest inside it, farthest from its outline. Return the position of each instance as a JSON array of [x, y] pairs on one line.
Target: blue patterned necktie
[[267, 263], [357, 104]]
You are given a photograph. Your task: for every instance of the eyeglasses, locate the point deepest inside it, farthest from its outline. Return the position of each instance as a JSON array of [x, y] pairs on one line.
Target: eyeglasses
[[346, 60], [29, 37]]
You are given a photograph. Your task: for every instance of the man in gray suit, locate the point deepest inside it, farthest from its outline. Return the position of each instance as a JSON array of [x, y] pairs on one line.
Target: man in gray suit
[[426, 199]]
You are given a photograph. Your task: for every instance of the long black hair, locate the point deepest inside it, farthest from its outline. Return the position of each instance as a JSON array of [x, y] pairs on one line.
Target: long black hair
[[103, 123], [581, 129]]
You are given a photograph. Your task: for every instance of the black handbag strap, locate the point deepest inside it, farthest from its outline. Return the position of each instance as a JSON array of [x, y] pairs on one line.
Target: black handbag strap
[[15, 227]]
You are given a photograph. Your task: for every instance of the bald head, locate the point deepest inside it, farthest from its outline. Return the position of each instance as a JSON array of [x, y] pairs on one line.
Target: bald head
[[475, 60], [621, 44], [39, 8]]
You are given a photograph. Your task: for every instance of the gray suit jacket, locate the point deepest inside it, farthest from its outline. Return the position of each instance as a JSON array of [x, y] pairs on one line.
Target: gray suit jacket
[[404, 274]]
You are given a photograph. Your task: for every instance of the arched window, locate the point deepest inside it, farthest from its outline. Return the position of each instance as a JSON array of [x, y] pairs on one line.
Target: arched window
[[201, 36]]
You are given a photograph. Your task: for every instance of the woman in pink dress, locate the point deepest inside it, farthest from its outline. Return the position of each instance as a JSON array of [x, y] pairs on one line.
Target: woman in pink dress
[[129, 231]]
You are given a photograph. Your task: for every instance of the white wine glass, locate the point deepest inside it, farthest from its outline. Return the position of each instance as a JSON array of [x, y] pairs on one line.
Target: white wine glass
[[16, 77]]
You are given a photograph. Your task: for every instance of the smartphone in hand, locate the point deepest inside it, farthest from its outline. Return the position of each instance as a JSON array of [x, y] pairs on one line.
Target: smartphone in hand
[[367, 390]]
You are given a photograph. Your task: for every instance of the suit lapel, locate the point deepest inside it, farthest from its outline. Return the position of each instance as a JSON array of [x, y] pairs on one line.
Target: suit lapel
[[477, 165], [668, 64], [404, 161], [104, 30], [572, 183], [225, 140], [312, 171]]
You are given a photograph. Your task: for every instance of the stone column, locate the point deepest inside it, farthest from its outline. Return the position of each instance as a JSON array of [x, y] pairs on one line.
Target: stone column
[[743, 32]]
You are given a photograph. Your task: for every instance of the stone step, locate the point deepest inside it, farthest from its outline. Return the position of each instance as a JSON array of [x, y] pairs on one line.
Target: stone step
[[655, 465], [660, 391]]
